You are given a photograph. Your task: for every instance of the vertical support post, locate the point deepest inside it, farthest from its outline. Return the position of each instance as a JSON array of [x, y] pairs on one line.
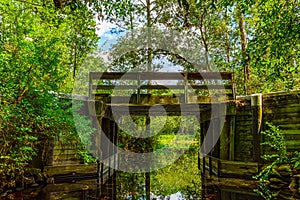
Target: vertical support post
[[202, 131], [115, 146], [110, 148], [233, 87], [147, 183], [99, 155], [147, 174], [138, 96], [103, 145], [232, 132], [232, 137], [199, 143], [211, 152], [98, 174], [256, 108], [224, 140], [90, 85], [210, 164], [101, 173], [114, 178], [185, 87], [217, 134]]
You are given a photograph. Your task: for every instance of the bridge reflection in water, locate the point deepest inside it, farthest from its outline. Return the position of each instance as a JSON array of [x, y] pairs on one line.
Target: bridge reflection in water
[[125, 186]]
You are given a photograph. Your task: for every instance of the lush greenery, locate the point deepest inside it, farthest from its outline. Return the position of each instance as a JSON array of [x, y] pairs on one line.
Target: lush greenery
[[181, 176], [257, 40], [43, 43], [40, 48], [281, 166]]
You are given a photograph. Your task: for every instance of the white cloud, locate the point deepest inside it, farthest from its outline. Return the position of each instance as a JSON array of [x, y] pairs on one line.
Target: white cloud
[[103, 27]]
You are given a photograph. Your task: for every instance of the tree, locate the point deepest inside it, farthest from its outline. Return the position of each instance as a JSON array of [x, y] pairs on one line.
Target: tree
[[36, 59], [274, 45]]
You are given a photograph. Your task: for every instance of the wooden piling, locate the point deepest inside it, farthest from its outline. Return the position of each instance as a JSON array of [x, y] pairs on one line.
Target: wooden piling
[[256, 108]]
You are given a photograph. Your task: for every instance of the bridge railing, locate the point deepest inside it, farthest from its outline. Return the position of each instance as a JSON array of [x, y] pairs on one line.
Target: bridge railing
[[179, 83]]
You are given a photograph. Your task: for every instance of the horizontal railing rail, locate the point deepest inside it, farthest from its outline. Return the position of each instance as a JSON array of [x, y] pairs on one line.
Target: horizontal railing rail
[[102, 83]]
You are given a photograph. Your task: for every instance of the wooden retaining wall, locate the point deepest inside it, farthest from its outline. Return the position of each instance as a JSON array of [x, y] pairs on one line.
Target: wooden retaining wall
[[243, 131], [238, 152], [64, 153], [283, 110]]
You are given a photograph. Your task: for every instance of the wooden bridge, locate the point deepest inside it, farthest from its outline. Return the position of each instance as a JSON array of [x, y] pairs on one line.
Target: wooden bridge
[[116, 95], [235, 127]]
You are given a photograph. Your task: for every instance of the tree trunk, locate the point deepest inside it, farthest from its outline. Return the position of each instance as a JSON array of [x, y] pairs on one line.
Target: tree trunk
[[204, 41], [244, 44], [149, 52]]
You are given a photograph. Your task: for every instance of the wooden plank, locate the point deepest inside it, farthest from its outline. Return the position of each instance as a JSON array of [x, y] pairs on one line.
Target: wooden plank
[[147, 99], [112, 87], [293, 144], [244, 123], [238, 169], [210, 75], [182, 109], [292, 126], [67, 169], [282, 104], [162, 75], [243, 113], [294, 94], [65, 151], [113, 75], [256, 105], [67, 157], [283, 121], [286, 116], [225, 140], [243, 118], [246, 136], [160, 87], [282, 110], [65, 162], [292, 136], [291, 132], [232, 127]]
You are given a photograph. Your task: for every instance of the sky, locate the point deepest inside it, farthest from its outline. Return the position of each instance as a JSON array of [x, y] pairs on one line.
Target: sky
[[107, 38], [109, 34]]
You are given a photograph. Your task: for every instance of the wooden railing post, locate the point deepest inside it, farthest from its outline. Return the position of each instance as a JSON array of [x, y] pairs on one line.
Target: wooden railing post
[[90, 85], [138, 96], [233, 87], [186, 88], [256, 107]]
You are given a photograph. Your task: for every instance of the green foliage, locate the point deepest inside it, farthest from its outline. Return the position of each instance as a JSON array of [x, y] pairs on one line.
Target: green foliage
[[130, 184], [270, 49], [183, 175], [273, 49], [82, 133], [37, 56], [280, 161], [275, 140]]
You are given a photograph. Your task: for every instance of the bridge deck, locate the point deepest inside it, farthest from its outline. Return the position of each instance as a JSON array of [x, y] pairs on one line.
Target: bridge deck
[[198, 109]]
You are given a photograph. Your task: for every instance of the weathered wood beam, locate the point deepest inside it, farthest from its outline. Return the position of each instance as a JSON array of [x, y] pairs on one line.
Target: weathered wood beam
[[161, 75]]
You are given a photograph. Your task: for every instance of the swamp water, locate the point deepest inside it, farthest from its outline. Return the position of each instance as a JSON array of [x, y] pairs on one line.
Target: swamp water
[[179, 181]]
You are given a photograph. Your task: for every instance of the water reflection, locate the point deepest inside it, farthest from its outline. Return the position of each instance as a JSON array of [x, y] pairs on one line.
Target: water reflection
[[179, 181]]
